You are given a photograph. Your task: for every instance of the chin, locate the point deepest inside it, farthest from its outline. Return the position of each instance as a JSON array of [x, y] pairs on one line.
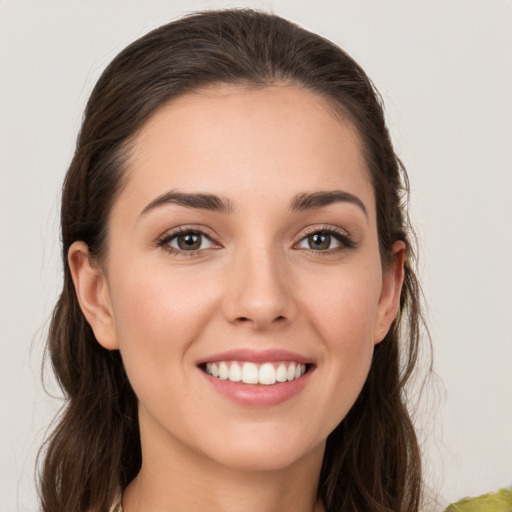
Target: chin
[[249, 453]]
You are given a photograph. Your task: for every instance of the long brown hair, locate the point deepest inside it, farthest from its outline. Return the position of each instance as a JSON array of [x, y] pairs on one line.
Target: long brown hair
[[372, 459]]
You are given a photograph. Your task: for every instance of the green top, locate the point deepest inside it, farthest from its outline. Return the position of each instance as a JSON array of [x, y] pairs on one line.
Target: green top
[[500, 501]]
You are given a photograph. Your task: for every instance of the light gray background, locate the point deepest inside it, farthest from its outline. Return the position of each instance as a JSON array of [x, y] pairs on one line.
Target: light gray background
[[444, 69]]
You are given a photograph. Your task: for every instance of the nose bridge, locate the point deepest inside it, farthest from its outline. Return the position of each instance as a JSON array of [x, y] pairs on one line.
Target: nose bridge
[[258, 290]]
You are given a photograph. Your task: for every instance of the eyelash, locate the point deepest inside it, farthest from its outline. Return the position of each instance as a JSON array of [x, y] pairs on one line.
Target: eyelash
[[341, 236], [168, 237]]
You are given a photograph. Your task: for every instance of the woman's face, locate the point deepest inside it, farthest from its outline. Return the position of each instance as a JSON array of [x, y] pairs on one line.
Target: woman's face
[[244, 246]]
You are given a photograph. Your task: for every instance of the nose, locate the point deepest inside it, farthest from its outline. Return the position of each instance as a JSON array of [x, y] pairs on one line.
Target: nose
[[259, 290]]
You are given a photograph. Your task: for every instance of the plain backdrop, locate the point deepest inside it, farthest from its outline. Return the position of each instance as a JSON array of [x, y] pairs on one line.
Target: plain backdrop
[[444, 69]]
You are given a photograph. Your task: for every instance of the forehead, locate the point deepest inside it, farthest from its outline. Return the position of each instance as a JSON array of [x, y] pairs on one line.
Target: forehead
[[236, 141]]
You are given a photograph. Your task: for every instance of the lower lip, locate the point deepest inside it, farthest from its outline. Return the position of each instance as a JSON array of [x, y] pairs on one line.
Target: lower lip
[[258, 395]]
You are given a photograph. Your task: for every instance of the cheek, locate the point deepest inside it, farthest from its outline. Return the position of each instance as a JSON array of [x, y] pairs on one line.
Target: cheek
[[343, 313], [343, 305], [156, 305], [157, 318]]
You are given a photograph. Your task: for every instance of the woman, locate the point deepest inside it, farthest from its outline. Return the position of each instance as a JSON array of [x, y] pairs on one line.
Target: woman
[[239, 314]]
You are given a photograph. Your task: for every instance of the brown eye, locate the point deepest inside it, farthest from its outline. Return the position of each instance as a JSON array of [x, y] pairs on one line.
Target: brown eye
[[189, 241], [326, 240], [319, 241]]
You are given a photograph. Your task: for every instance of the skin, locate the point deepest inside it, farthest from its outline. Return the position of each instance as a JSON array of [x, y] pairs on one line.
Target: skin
[[255, 283]]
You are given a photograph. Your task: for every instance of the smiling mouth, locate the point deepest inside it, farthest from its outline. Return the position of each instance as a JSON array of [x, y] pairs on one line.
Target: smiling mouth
[[247, 372]]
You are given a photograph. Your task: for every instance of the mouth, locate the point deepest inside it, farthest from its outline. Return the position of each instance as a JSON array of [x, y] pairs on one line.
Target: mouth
[[265, 373], [257, 378]]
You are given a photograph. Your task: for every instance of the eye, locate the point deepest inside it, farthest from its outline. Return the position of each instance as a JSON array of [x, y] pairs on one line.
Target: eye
[[318, 242], [186, 240], [327, 240]]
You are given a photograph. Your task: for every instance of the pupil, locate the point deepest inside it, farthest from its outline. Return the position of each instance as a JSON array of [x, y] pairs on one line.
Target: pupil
[[319, 241], [189, 241]]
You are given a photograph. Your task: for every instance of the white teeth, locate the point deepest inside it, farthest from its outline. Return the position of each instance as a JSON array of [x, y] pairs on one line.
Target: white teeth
[[251, 373], [281, 373], [235, 372], [267, 374], [223, 371]]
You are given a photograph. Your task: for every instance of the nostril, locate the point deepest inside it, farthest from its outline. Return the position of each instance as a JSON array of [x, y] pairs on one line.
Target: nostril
[[279, 319]]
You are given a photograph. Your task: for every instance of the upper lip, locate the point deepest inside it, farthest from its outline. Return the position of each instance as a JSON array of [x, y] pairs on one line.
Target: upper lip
[[256, 356]]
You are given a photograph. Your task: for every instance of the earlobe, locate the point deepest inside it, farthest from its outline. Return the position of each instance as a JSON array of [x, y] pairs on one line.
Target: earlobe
[[92, 292], [389, 300]]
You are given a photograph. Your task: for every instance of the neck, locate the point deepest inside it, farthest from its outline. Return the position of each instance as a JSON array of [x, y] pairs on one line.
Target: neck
[[178, 479]]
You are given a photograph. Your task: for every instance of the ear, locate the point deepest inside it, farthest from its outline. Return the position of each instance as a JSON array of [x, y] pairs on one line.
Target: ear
[[389, 301], [93, 294]]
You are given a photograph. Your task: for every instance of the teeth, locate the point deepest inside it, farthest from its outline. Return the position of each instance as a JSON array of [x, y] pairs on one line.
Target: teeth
[[267, 374], [290, 374], [223, 371], [235, 372], [281, 375], [251, 373]]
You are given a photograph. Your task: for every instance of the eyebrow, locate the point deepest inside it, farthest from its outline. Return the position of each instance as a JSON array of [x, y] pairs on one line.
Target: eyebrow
[[190, 200], [312, 200], [212, 202]]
